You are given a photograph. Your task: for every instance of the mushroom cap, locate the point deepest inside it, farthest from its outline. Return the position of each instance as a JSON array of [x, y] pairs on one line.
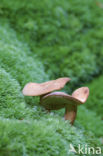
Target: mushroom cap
[[37, 89], [58, 100], [81, 94]]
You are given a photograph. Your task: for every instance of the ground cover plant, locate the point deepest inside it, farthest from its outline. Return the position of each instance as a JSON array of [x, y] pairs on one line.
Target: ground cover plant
[[96, 89], [10, 95], [40, 41], [63, 30], [21, 66]]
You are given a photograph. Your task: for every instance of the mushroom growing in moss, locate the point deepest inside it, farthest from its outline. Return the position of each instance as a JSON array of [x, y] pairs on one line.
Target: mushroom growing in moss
[[58, 100]]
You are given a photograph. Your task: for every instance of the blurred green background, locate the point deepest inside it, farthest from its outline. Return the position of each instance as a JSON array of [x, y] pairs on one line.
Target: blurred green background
[[41, 41]]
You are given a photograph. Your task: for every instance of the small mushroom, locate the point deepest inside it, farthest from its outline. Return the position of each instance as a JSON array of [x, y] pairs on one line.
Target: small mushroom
[[58, 100], [40, 89]]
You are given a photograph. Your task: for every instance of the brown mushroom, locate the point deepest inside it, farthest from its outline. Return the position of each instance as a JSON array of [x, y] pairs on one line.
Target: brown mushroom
[[40, 89], [58, 100]]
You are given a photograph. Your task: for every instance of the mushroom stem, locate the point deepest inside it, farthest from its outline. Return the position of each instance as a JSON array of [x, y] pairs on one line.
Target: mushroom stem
[[70, 113]]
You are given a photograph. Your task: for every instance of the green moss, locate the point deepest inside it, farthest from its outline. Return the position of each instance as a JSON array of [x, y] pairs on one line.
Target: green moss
[[78, 66], [95, 100], [12, 102], [90, 121], [20, 65], [45, 137], [61, 34], [15, 58], [11, 99], [66, 37]]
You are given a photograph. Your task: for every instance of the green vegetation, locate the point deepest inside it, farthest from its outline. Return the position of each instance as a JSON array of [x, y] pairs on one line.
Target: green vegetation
[[95, 101], [90, 121], [41, 41], [10, 96], [46, 137], [78, 65], [20, 65], [62, 34], [15, 59]]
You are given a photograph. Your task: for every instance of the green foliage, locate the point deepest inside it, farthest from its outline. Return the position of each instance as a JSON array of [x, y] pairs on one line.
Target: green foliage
[[66, 37], [54, 22], [95, 100], [61, 34], [11, 99], [14, 58], [78, 66], [90, 121], [45, 137], [12, 103]]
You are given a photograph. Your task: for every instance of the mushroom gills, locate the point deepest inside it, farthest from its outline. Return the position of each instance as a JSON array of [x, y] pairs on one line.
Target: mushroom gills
[[53, 103], [57, 100]]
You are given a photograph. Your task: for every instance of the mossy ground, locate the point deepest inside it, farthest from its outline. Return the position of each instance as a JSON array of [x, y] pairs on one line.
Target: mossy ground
[[40, 41]]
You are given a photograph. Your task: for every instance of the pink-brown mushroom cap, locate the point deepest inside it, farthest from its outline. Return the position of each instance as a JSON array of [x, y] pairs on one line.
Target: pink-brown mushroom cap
[[81, 94], [38, 89]]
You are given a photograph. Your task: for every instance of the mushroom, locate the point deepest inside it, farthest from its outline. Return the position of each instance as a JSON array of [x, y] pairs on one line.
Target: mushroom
[[58, 100], [41, 89]]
